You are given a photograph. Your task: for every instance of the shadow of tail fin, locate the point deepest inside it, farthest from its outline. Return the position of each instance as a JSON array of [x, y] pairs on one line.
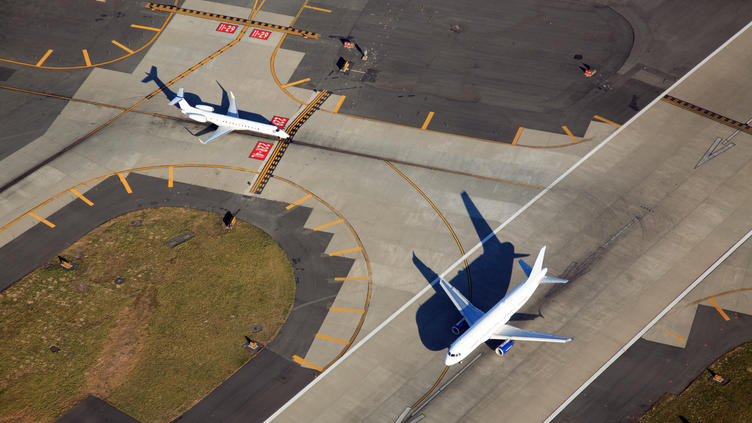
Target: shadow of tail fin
[[151, 75]]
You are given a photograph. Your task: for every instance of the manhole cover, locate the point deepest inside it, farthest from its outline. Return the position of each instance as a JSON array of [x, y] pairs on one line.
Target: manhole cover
[[256, 328], [119, 281]]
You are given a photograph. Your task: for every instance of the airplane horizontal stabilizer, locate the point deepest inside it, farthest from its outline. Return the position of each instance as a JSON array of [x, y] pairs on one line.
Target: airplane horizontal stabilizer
[[511, 332], [177, 98], [547, 279]]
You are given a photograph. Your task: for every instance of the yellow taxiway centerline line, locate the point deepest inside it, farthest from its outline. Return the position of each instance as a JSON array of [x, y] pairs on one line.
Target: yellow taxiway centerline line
[[299, 201], [354, 278], [318, 8], [122, 46], [329, 338], [81, 197], [301, 360], [571, 135], [517, 135], [41, 219], [719, 309], [87, 60], [336, 253], [602, 119], [46, 55], [125, 183], [326, 225], [349, 310], [148, 28], [339, 104], [290, 84], [427, 121]]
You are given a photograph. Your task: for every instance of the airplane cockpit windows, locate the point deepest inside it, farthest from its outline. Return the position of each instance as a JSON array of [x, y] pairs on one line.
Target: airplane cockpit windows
[[454, 355]]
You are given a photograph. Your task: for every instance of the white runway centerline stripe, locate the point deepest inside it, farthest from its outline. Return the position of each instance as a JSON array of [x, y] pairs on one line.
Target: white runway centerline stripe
[[428, 287]]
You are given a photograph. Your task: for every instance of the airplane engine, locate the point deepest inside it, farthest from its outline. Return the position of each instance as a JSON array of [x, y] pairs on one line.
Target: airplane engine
[[205, 107], [460, 327], [197, 117], [504, 347]]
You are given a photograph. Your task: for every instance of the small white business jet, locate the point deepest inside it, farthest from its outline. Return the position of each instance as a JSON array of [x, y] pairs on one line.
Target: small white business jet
[[493, 324], [225, 123]]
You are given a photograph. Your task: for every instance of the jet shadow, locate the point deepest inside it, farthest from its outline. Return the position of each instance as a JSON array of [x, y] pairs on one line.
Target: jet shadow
[[490, 277], [194, 99]]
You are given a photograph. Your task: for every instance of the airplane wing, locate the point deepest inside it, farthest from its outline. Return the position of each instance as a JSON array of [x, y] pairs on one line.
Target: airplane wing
[[471, 313], [222, 130], [511, 332], [233, 109]]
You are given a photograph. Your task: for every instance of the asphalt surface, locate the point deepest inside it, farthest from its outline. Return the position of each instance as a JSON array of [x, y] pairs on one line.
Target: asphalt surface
[[647, 370], [94, 410], [270, 379], [508, 64]]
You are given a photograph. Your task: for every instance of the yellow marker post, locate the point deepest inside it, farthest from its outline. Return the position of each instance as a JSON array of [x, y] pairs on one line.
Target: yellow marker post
[[290, 84], [41, 219], [339, 104], [427, 121], [46, 55], [86, 57], [122, 46], [169, 181], [125, 183], [571, 135], [81, 197], [326, 225], [517, 135], [336, 253]]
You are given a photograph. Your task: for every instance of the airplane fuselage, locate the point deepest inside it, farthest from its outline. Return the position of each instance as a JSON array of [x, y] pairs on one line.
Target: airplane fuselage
[[499, 314], [236, 124]]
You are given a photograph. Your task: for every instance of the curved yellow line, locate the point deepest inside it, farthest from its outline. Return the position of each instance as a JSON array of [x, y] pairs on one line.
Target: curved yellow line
[[167, 20], [274, 55]]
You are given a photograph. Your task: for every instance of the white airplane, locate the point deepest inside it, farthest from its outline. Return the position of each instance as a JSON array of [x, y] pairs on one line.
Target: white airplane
[[225, 123], [493, 324]]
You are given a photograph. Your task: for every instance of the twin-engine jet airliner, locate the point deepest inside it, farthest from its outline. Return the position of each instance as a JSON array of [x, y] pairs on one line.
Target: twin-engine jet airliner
[[493, 324], [225, 123]]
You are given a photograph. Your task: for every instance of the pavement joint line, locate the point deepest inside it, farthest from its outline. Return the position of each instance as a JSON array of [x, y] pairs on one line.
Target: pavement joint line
[[125, 183], [290, 84], [569, 133], [171, 177], [517, 135], [148, 28], [427, 121], [87, 60], [41, 219], [718, 309], [42, 60], [119, 115], [81, 197], [674, 335], [122, 46], [347, 310], [329, 338], [602, 119], [527, 205], [318, 8], [716, 117], [351, 250], [354, 278], [298, 201], [302, 361], [326, 225]]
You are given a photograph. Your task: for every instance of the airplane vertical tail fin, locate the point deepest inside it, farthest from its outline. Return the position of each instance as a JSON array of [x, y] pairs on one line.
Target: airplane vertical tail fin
[[177, 98], [539, 268]]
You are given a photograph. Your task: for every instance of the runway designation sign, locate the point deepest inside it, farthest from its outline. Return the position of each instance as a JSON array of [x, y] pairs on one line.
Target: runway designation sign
[[279, 122], [260, 151], [260, 34], [228, 28]]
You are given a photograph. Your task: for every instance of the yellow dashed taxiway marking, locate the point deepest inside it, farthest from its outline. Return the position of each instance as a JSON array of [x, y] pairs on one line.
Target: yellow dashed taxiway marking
[[46, 55], [318, 8], [674, 335], [169, 181], [87, 60], [517, 135], [719, 309], [339, 104], [122, 46], [348, 310], [329, 338], [303, 361], [336, 253], [326, 225], [148, 28], [571, 135], [125, 183], [354, 278], [41, 219], [427, 121], [290, 84], [299, 201], [602, 119], [81, 197]]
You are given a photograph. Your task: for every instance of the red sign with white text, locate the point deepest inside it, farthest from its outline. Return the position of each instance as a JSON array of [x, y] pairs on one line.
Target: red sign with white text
[[228, 28], [260, 34], [260, 151], [279, 122]]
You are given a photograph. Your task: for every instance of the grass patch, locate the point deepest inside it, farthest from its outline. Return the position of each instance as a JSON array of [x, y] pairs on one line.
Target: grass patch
[[154, 345], [706, 401]]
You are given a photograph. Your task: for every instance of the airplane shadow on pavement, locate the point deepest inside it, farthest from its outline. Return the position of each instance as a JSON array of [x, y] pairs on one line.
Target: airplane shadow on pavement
[[194, 99], [490, 277]]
